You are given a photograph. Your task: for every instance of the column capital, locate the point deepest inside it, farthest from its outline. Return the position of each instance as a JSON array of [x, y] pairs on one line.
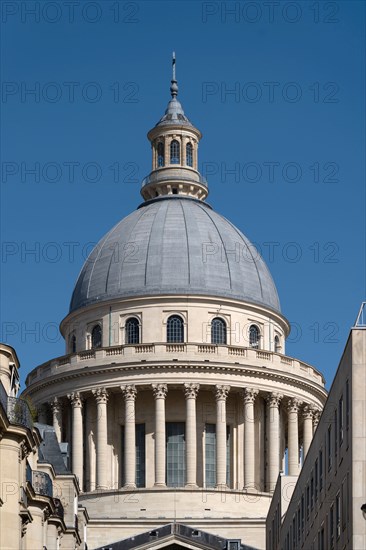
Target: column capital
[[159, 390], [191, 390], [75, 399], [221, 392], [129, 392], [308, 411], [101, 395], [293, 404], [249, 395], [56, 405], [316, 416], [273, 399]]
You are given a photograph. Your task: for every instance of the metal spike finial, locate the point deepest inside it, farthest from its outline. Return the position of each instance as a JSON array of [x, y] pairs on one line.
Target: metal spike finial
[[174, 85]]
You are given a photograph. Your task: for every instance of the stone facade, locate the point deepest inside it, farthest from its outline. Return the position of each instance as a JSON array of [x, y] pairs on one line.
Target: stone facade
[[324, 511]]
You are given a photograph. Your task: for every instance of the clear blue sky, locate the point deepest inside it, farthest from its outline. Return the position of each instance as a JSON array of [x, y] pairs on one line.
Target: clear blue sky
[[283, 153]]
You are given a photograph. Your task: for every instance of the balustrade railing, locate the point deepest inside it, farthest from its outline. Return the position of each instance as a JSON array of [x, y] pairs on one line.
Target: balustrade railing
[[126, 353], [17, 409]]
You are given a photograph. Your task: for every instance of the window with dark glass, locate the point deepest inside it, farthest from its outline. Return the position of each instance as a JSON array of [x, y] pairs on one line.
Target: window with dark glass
[[340, 420], [132, 331], [161, 154], [338, 515], [320, 470], [174, 152], [175, 329], [140, 455], [210, 455], [218, 331], [316, 473], [175, 454], [189, 154], [254, 336], [331, 527], [73, 344], [277, 344], [96, 337], [329, 446]]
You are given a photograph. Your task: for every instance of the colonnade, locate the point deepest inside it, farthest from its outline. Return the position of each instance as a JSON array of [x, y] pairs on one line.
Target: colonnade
[[274, 401]]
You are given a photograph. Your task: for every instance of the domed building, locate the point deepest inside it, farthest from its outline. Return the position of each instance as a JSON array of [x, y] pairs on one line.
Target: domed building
[[176, 398]]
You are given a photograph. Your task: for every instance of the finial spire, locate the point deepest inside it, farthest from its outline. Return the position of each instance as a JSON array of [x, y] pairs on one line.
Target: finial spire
[[174, 85]]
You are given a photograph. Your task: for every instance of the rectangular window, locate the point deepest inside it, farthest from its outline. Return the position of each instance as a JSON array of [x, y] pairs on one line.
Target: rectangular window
[[320, 470], [307, 502], [302, 513], [316, 470], [140, 455], [338, 515], [329, 446], [340, 420], [298, 525], [331, 527], [321, 539], [344, 503], [175, 454], [335, 434], [347, 409], [312, 491], [210, 455]]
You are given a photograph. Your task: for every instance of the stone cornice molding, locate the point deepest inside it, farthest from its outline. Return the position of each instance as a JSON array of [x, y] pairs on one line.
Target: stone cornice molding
[[101, 395], [191, 390], [274, 399], [159, 391], [137, 369], [75, 399], [293, 405], [249, 395], [129, 392], [221, 392]]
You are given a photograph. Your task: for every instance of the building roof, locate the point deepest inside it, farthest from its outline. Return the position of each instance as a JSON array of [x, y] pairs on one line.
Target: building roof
[[174, 245]]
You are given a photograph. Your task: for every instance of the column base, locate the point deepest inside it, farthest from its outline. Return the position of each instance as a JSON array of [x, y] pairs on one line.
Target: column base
[[129, 486], [221, 487], [159, 484], [191, 486]]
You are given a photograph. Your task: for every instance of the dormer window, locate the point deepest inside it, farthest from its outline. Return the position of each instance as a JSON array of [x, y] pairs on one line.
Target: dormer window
[[160, 154], [174, 152], [189, 154]]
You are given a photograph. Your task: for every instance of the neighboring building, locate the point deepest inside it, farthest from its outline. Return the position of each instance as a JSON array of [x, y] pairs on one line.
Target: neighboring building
[[38, 499], [175, 395], [324, 512]]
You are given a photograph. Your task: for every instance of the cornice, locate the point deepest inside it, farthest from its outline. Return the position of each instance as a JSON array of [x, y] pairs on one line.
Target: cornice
[[198, 367]]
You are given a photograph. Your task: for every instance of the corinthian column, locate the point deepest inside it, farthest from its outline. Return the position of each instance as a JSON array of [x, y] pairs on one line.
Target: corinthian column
[[56, 407], [273, 434], [293, 436], [307, 414], [191, 391], [160, 391], [129, 393], [221, 393], [101, 397], [77, 436], [249, 395]]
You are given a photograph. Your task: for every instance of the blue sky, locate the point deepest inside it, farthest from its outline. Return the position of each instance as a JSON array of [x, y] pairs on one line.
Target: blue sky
[[278, 93]]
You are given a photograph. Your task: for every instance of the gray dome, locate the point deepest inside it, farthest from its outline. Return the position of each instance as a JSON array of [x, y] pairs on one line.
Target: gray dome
[[174, 245]]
